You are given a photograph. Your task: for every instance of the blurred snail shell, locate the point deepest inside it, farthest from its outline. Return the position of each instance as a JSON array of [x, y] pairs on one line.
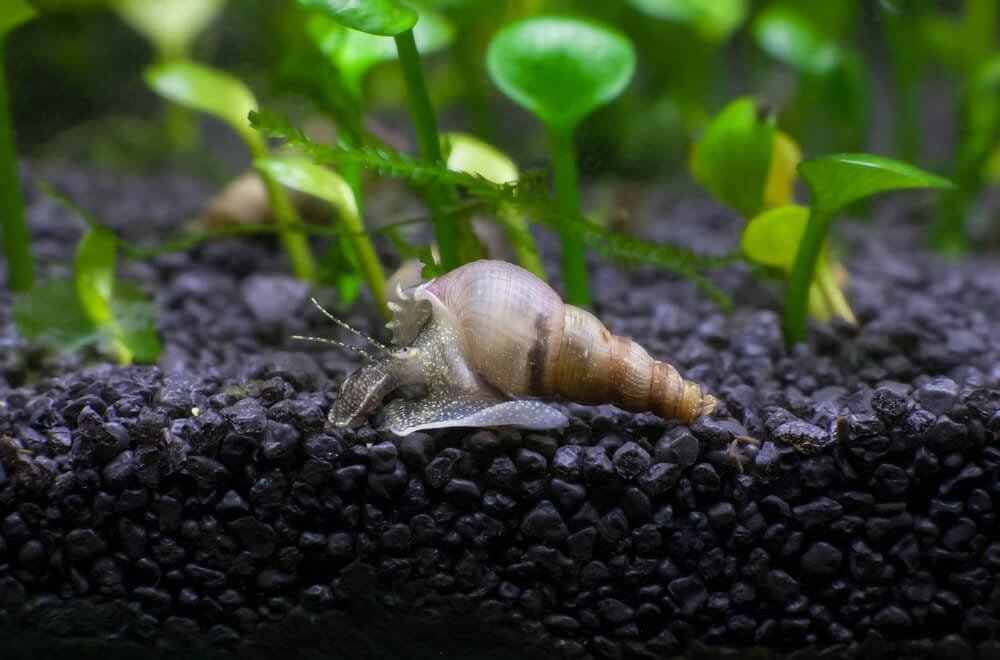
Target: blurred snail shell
[[489, 332]]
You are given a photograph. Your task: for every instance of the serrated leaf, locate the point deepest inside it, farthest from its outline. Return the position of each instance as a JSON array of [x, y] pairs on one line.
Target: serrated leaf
[[94, 273], [50, 313], [204, 89], [791, 38], [170, 24], [14, 13], [386, 18], [733, 156], [838, 180], [773, 237], [714, 20], [561, 69]]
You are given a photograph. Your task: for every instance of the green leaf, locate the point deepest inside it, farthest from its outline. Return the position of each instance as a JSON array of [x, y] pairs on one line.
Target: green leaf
[[840, 179], [561, 69], [205, 89], [714, 20], [733, 156], [791, 38], [385, 18], [355, 53], [306, 176], [14, 13], [169, 24], [464, 153], [94, 273], [50, 313], [134, 324], [773, 237]]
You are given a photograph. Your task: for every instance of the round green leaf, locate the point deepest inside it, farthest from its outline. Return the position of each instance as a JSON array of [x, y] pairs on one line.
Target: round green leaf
[[714, 20], [469, 154], [386, 18], [12, 14], [355, 53], [791, 38], [772, 238], [169, 24], [561, 69], [840, 179], [205, 89]]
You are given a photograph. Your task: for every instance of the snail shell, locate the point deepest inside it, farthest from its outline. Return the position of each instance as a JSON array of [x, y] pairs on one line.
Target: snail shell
[[483, 335], [516, 332]]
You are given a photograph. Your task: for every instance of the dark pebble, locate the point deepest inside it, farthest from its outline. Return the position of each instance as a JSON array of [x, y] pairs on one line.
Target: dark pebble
[[545, 524], [630, 460]]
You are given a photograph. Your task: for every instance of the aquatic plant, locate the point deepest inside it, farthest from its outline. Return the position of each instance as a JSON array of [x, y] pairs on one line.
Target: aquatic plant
[[561, 70], [390, 18], [745, 162], [13, 227], [303, 175], [220, 95], [171, 27], [94, 307]]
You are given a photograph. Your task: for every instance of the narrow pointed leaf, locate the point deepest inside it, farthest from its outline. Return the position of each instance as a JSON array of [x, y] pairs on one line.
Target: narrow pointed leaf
[[561, 69], [385, 18], [205, 89], [733, 157], [840, 179]]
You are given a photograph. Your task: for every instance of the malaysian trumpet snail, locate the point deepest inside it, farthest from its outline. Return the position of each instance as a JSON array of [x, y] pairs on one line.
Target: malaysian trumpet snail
[[479, 338]]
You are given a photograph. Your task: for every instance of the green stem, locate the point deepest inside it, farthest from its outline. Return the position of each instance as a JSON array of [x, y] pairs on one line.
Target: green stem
[[13, 227], [907, 63], [296, 244], [978, 31], [371, 268], [574, 262], [430, 147], [797, 292]]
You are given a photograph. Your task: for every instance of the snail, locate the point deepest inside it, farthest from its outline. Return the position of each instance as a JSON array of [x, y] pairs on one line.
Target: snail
[[483, 336]]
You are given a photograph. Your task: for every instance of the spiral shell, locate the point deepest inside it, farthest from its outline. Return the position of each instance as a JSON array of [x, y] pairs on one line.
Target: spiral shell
[[516, 333]]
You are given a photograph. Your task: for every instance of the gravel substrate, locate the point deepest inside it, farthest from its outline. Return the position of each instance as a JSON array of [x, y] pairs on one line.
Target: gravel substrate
[[207, 501]]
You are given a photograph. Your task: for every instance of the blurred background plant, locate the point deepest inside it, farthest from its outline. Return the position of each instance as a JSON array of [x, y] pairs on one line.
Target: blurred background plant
[[383, 94]]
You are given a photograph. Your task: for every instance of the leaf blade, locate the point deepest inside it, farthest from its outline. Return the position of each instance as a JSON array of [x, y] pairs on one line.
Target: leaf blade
[[204, 89], [385, 18]]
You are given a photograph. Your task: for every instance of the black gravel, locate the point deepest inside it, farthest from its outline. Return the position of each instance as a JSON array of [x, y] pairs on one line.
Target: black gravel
[[206, 501]]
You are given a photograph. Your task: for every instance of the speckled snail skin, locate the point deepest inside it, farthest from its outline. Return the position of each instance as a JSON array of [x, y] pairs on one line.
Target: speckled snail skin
[[489, 332]]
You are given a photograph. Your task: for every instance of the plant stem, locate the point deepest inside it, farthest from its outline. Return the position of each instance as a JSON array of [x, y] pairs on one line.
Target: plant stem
[[296, 244], [574, 262], [13, 227], [371, 268], [430, 147], [797, 293]]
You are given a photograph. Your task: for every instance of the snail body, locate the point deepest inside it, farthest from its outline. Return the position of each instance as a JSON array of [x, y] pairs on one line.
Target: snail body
[[483, 335]]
